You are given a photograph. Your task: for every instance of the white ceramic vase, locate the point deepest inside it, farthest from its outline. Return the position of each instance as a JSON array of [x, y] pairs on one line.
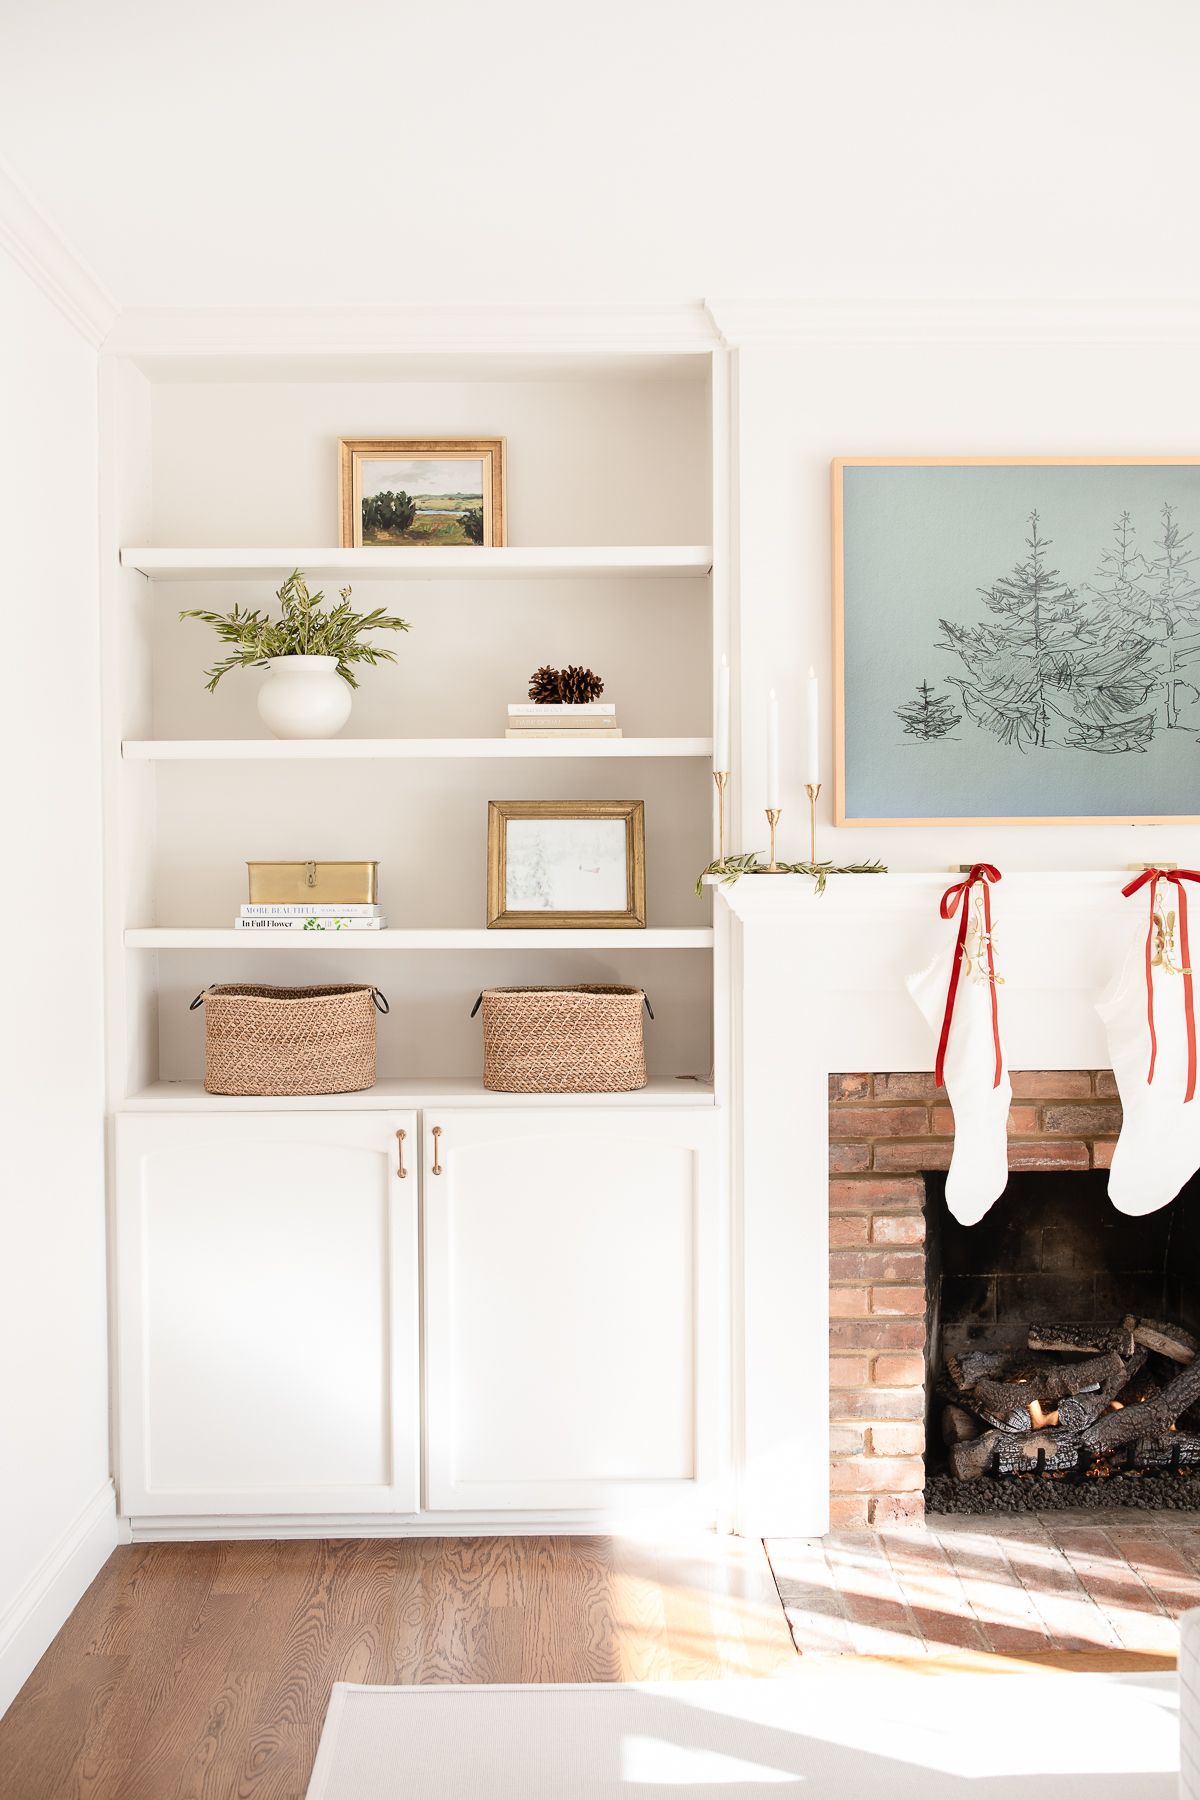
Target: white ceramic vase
[[304, 697]]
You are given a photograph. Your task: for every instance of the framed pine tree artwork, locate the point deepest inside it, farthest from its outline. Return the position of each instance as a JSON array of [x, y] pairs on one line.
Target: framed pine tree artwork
[[1016, 639]]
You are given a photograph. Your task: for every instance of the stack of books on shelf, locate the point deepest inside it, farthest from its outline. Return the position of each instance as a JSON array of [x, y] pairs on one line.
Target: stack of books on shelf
[[326, 916], [558, 719]]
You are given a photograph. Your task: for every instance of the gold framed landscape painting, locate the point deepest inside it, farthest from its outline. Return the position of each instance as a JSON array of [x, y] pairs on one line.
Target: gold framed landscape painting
[[559, 863], [421, 491], [1016, 639]]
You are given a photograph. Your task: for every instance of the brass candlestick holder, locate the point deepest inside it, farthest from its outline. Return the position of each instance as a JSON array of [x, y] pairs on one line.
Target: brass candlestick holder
[[774, 814], [812, 789], [721, 778]]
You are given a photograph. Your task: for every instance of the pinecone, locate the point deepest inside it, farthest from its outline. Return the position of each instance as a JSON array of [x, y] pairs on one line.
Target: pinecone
[[577, 685], [543, 685]]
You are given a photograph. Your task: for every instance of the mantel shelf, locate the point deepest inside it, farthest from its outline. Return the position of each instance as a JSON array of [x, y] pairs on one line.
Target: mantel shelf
[[431, 938], [422, 563], [403, 749]]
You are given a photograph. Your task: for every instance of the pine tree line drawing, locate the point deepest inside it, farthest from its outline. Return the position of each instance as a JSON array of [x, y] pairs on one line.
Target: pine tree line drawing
[[929, 716], [1100, 667]]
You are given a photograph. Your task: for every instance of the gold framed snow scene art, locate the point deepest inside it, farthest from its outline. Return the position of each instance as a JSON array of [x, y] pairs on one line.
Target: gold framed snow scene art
[[1016, 639], [566, 863]]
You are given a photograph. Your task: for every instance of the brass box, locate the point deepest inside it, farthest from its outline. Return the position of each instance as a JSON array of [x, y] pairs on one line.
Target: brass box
[[344, 883]]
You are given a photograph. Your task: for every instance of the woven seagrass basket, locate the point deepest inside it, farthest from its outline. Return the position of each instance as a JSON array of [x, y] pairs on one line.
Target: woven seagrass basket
[[288, 1040], [563, 1040]]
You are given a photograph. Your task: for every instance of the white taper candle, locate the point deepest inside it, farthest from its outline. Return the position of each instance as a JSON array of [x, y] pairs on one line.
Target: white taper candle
[[812, 772], [772, 751], [721, 746]]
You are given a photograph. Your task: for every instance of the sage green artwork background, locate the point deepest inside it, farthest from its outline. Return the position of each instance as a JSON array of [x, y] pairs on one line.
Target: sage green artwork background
[[920, 542]]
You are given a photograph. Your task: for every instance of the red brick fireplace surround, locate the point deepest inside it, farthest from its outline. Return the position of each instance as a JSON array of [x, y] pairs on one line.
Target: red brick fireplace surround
[[885, 1132]]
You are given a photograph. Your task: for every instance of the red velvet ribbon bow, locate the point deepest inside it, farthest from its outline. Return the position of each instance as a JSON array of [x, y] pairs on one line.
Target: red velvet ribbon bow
[[1152, 877], [951, 900]]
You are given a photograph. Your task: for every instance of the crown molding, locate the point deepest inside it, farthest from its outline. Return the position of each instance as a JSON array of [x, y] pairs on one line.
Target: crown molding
[[46, 257], [508, 327], [747, 322]]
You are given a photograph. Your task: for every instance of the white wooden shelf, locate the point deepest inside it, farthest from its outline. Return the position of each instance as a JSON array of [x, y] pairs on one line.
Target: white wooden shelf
[[411, 1091], [421, 563], [404, 749], [435, 938]]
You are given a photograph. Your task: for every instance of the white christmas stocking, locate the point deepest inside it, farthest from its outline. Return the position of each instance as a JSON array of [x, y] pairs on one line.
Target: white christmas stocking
[[1149, 1015], [957, 994]]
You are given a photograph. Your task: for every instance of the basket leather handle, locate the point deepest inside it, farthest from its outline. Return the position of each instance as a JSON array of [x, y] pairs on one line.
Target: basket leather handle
[[199, 1000], [477, 1006], [381, 1001]]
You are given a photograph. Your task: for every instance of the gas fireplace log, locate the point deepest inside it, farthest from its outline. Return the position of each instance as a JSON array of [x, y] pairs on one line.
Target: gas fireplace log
[[1174, 1449], [1076, 1338], [970, 1460], [958, 1425], [1151, 1418], [1057, 1450], [1015, 1454], [1169, 1340], [1077, 1411], [1015, 1418], [1003, 1398], [969, 1367]]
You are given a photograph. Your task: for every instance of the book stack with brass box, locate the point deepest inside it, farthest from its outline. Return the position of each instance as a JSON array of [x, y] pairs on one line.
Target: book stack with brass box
[[312, 896]]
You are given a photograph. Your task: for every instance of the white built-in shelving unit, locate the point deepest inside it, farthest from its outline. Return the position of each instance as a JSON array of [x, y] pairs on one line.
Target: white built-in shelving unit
[[331, 1312], [616, 515]]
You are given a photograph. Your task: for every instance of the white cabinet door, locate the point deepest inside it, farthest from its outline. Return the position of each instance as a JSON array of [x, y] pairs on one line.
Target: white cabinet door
[[569, 1308], [268, 1313]]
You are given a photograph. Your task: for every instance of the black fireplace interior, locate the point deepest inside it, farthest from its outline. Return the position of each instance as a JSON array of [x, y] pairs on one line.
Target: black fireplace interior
[[1054, 1253]]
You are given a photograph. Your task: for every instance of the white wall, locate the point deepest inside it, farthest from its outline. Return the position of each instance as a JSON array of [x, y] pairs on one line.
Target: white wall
[[847, 395], [57, 1516], [644, 148]]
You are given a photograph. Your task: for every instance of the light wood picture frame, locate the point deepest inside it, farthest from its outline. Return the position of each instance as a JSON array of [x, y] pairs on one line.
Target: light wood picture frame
[[540, 876], [1001, 650], [432, 492]]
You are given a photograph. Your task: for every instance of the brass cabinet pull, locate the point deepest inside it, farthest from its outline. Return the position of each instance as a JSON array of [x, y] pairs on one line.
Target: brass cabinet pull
[[437, 1167], [400, 1168]]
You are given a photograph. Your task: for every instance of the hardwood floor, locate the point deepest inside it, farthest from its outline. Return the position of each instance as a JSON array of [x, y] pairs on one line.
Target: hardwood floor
[[192, 1671]]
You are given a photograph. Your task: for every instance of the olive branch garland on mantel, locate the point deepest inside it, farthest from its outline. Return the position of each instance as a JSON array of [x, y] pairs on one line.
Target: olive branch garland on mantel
[[732, 868]]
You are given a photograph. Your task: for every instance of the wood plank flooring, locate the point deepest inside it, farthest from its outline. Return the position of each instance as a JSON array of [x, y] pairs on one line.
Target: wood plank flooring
[[203, 1671]]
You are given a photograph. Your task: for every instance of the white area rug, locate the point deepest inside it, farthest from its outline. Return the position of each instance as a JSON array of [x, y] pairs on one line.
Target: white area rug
[[823, 1735]]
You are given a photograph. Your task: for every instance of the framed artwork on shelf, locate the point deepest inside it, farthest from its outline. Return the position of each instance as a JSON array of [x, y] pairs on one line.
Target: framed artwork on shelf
[[559, 863], [1016, 639], [430, 491]]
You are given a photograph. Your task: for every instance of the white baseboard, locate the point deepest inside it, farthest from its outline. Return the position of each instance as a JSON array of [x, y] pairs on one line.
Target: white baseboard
[[229, 1527], [36, 1612]]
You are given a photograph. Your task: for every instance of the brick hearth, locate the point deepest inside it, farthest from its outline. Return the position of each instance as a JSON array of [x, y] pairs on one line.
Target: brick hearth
[[885, 1132]]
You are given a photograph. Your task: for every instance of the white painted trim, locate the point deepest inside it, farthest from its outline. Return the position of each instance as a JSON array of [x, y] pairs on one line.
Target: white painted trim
[[515, 327], [46, 257], [744, 322], [38, 1611], [204, 1528]]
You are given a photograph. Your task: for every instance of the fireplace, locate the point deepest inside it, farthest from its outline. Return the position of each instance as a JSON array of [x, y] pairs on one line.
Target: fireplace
[[920, 1305]]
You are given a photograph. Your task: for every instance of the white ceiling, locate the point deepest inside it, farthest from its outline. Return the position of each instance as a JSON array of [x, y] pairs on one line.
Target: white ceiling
[[255, 152]]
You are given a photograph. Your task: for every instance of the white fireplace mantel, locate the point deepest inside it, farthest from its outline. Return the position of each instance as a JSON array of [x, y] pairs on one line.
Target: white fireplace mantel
[[816, 984]]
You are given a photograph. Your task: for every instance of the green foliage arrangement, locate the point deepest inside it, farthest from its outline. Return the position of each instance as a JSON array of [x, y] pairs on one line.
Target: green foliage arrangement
[[303, 630]]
